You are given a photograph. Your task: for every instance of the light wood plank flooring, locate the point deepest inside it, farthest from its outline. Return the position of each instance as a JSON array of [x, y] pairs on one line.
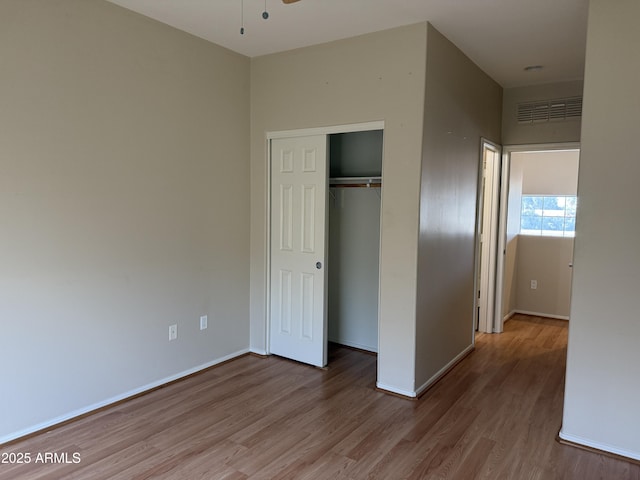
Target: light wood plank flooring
[[494, 416]]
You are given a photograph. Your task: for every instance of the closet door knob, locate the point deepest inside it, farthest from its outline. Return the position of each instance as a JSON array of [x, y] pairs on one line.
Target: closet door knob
[[318, 265]]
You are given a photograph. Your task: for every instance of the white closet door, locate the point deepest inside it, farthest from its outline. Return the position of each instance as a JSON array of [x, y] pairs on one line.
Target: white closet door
[[298, 326]]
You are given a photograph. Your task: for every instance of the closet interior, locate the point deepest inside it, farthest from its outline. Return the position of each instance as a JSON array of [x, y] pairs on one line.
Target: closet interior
[[354, 238]]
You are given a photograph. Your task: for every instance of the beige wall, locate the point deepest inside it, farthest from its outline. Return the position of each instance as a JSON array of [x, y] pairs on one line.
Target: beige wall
[[354, 253], [514, 133], [372, 77], [510, 280], [546, 260], [603, 364], [124, 204], [462, 104], [548, 172]]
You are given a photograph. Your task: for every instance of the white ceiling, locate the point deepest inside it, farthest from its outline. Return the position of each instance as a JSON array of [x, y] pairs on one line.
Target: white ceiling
[[501, 36]]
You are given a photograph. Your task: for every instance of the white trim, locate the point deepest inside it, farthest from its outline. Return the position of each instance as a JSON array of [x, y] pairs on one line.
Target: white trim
[[508, 316], [599, 446], [444, 370], [267, 254], [542, 147], [399, 391], [118, 398], [491, 196], [359, 346], [348, 128], [258, 351], [540, 314]]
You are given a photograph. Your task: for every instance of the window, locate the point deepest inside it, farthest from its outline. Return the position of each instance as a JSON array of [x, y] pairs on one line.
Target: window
[[549, 215]]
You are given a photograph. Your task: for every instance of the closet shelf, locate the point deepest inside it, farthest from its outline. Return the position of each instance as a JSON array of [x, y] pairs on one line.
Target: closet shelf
[[355, 182]]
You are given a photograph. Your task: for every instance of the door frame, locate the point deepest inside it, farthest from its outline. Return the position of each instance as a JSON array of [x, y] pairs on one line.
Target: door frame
[[303, 132], [507, 150], [486, 144]]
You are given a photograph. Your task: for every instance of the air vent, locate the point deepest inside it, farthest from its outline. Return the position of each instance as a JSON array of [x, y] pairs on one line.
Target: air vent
[[557, 110]]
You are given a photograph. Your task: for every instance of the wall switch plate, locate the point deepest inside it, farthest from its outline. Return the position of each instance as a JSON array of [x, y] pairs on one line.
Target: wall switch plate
[[203, 322], [534, 284], [173, 332]]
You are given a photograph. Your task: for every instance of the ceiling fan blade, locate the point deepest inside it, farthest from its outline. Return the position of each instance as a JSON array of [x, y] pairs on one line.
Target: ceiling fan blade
[[287, 2]]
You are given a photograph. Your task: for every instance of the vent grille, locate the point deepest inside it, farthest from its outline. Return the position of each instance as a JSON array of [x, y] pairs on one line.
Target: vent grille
[[557, 110]]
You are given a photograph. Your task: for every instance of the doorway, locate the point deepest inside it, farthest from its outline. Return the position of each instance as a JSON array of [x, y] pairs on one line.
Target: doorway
[[487, 237], [299, 262], [536, 229]]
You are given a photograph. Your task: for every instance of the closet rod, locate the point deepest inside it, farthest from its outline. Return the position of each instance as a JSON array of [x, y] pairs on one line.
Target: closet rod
[[355, 182], [355, 185]]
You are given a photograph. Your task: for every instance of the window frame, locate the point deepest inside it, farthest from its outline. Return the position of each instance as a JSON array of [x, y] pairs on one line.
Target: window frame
[[540, 206]]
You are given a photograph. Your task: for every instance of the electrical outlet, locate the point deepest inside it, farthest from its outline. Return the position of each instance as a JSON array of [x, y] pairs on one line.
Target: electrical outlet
[[203, 322], [534, 284], [173, 332]]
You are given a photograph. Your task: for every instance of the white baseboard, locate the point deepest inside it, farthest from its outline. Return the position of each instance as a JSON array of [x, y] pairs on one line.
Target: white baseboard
[[599, 446], [540, 314], [509, 315], [109, 401], [399, 391], [440, 373], [431, 381], [359, 346], [258, 351]]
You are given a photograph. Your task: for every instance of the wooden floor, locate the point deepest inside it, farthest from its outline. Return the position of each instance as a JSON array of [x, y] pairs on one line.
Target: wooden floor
[[494, 416]]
